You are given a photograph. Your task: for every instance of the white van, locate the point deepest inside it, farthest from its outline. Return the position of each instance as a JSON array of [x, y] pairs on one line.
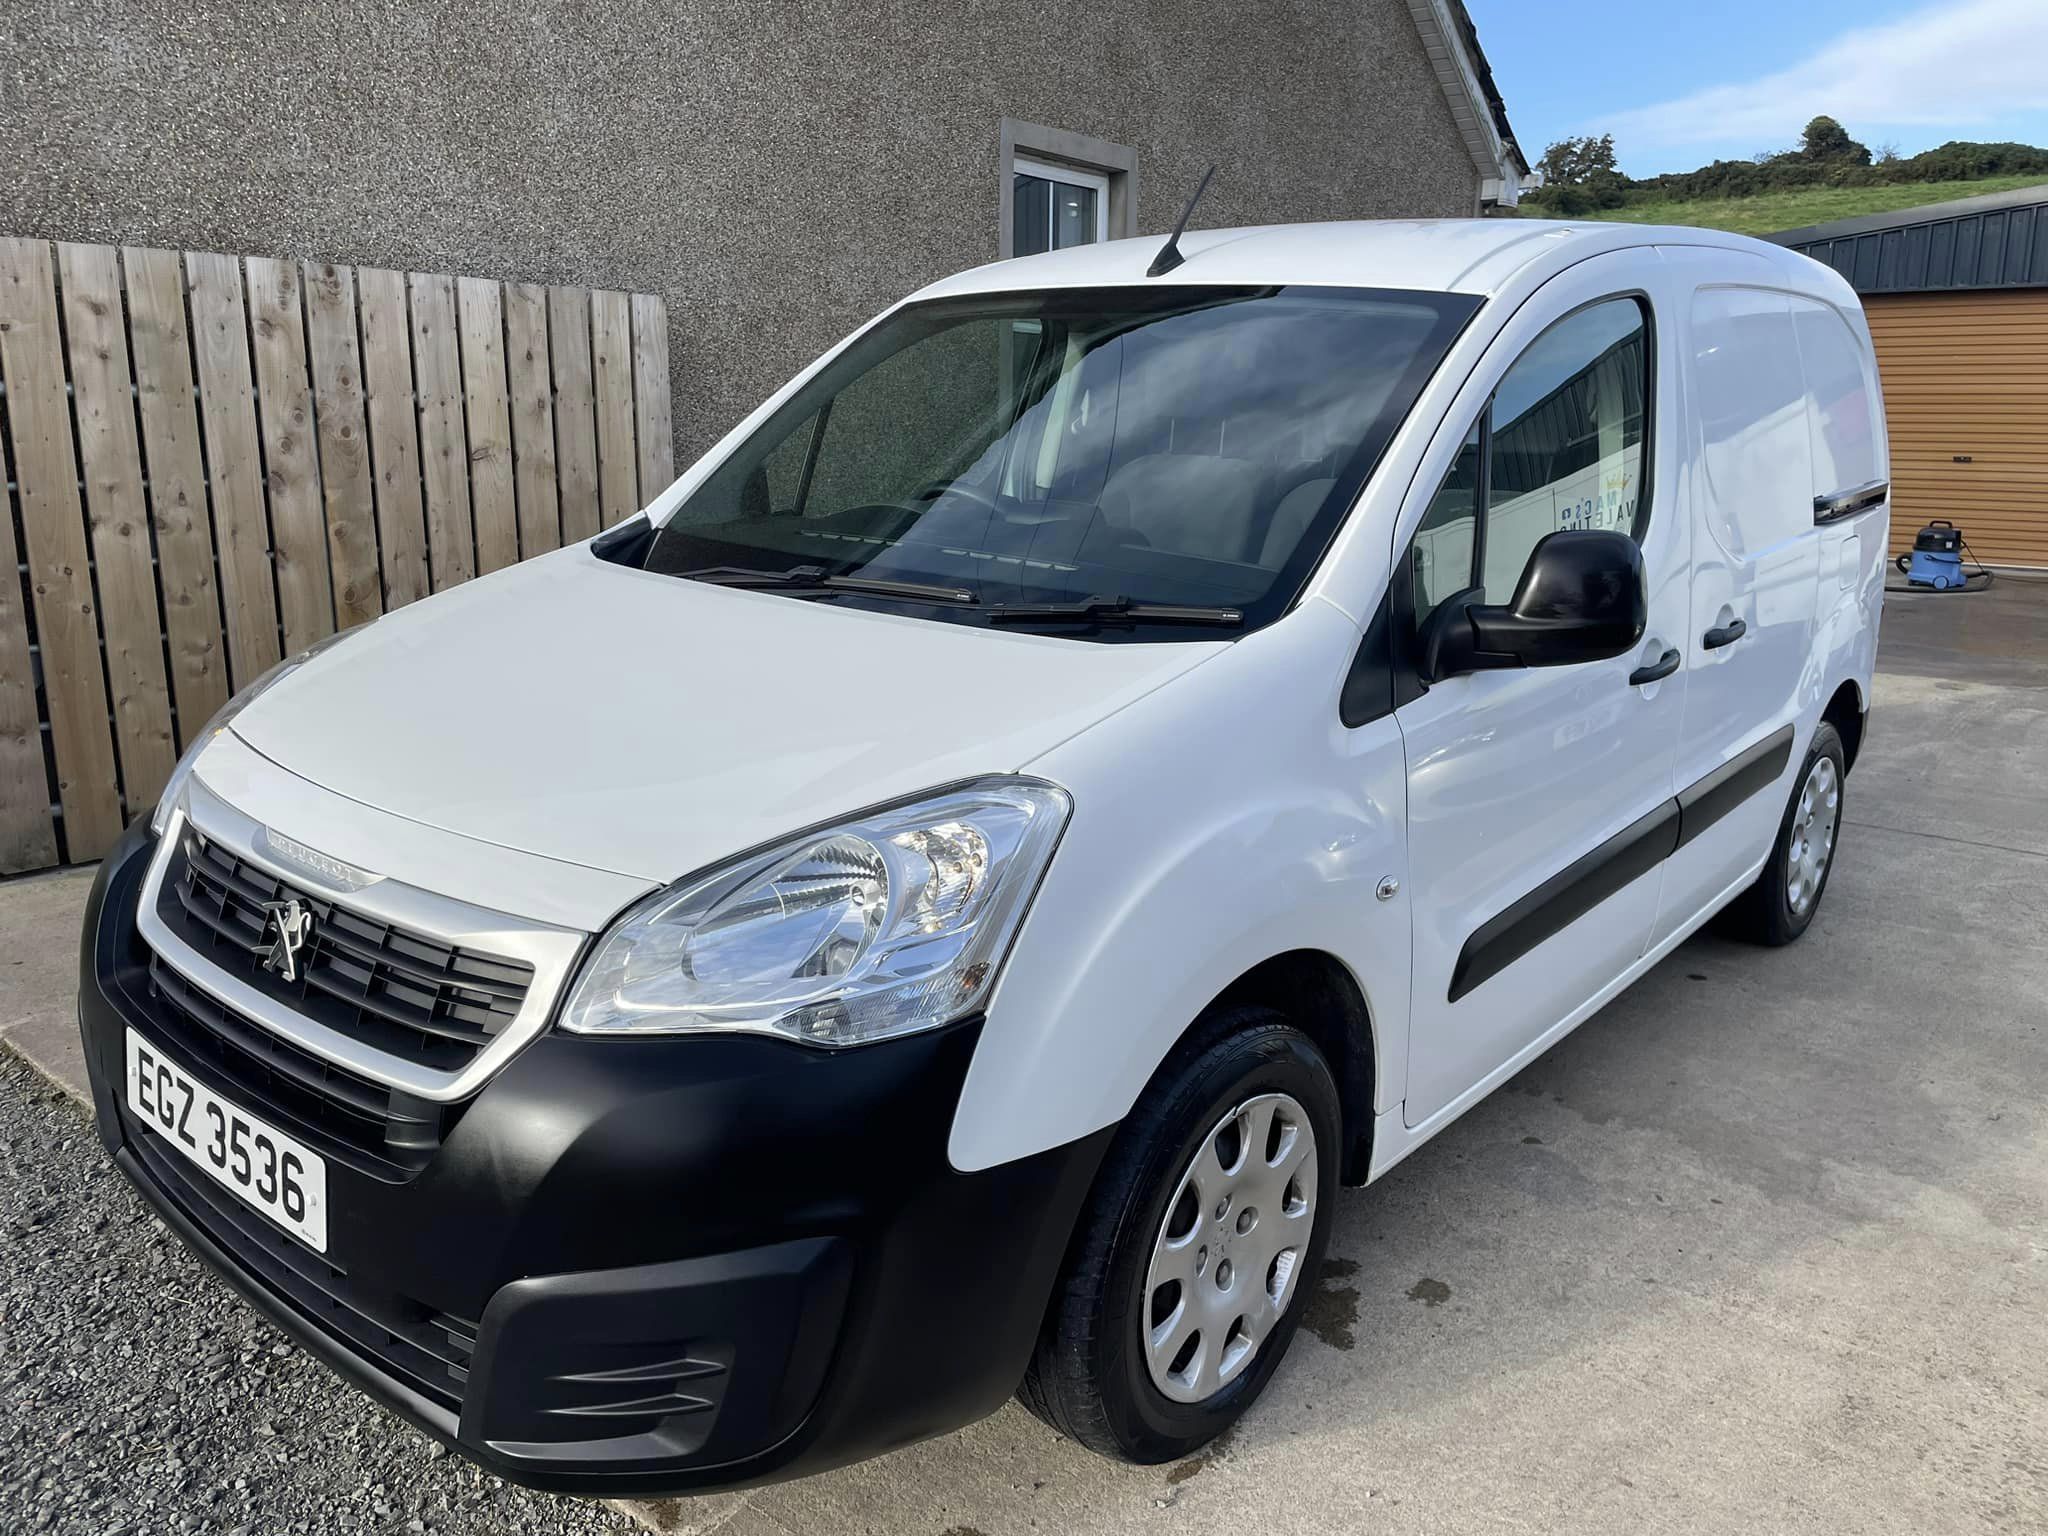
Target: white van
[[949, 896]]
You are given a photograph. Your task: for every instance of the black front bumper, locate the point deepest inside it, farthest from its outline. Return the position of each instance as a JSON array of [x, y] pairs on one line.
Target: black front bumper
[[639, 1266]]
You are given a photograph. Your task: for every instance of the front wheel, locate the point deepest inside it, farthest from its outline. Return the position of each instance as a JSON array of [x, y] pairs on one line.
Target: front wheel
[[1189, 1269], [1777, 909]]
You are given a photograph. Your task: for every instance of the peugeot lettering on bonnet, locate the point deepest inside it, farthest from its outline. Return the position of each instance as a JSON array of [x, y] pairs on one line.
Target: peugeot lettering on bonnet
[[942, 903]]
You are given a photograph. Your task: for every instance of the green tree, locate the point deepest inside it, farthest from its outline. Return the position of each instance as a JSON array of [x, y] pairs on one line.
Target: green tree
[[1579, 176], [1827, 140], [1582, 162]]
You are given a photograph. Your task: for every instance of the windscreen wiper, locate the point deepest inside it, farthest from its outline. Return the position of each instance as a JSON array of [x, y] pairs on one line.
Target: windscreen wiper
[[1114, 610], [812, 579]]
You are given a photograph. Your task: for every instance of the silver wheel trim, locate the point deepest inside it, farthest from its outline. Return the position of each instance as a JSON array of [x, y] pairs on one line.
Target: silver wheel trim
[[1814, 820], [1227, 1258]]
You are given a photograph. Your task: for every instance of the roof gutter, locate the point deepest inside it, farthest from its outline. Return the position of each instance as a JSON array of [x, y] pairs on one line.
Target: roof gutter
[[1452, 43]]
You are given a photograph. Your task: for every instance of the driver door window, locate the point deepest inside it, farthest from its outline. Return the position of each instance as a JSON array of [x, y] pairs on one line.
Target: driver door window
[[1560, 445]]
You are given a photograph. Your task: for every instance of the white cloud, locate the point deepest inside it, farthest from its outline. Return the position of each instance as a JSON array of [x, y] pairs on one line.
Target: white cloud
[[1958, 63]]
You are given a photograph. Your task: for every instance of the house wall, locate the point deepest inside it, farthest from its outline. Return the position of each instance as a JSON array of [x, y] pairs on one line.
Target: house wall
[[776, 172]]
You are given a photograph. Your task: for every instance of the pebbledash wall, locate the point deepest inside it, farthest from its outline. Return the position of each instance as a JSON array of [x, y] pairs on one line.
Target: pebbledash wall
[[775, 172]]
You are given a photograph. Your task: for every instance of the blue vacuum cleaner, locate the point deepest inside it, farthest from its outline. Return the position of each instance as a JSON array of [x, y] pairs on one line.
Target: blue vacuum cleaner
[[1936, 563]]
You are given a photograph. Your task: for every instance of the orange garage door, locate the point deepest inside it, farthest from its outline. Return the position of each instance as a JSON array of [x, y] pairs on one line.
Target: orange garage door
[[1966, 395]]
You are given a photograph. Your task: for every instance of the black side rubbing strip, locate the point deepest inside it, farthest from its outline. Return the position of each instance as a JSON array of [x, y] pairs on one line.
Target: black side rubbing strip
[[1732, 783], [1635, 850], [1848, 503], [1565, 897]]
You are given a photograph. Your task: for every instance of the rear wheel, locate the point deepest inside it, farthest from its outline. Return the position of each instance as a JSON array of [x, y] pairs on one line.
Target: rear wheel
[[1777, 909], [1188, 1271]]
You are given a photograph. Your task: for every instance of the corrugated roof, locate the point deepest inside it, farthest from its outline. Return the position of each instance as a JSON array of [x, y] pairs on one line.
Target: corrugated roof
[[1995, 241]]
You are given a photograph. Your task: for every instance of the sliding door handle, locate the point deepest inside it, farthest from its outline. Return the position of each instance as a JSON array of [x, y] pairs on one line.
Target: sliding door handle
[[1724, 634], [1661, 668]]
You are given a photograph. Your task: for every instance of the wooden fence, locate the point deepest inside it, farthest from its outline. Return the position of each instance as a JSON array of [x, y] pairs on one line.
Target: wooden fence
[[214, 461]]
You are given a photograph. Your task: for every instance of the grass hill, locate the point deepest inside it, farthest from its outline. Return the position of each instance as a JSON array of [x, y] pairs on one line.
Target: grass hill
[[1766, 213]]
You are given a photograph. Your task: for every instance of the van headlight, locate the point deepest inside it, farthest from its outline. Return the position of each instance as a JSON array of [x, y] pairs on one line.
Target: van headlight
[[175, 785], [883, 925]]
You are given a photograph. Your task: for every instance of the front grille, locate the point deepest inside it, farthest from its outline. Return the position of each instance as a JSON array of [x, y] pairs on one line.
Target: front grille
[[427, 1350], [401, 993], [406, 995], [371, 1128]]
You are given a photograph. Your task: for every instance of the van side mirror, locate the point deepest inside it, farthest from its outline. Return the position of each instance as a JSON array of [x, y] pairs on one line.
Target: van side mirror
[[1582, 597]]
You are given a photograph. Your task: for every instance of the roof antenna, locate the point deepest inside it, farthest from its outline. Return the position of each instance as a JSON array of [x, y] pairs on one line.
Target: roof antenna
[[1169, 255]]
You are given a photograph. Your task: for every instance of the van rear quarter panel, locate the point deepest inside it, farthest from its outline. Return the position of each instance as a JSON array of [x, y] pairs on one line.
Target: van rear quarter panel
[[1226, 818], [1858, 548]]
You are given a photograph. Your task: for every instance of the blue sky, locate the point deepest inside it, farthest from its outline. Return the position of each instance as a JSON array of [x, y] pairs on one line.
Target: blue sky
[[1681, 84]]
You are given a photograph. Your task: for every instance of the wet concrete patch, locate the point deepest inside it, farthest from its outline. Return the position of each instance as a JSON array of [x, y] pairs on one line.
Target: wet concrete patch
[[1332, 1312], [1431, 1293], [1207, 1457]]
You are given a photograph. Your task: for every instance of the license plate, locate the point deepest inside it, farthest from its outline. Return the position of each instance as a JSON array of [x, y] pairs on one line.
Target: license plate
[[261, 1165]]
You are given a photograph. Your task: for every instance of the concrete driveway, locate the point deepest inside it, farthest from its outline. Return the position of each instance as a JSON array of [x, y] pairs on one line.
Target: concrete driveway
[[1763, 1246]]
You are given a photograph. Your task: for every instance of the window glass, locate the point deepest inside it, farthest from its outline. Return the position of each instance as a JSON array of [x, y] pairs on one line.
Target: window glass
[[1031, 211], [926, 412], [1562, 444], [1073, 215], [1442, 552], [1052, 212], [1169, 445], [1568, 421], [1843, 427], [1752, 409], [782, 474]]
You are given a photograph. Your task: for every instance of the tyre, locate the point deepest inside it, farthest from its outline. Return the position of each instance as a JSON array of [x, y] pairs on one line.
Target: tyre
[[1778, 907], [1198, 1247]]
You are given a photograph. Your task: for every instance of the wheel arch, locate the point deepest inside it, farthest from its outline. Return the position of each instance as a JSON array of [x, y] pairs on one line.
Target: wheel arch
[[1320, 996], [1846, 711]]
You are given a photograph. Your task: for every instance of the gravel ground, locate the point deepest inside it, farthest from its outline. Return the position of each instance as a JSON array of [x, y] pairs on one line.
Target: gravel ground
[[139, 1395]]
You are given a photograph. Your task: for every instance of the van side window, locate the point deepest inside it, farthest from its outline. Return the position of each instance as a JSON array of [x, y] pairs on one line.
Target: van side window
[[1443, 541], [1844, 427], [1754, 447], [1559, 446], [1568, 423]]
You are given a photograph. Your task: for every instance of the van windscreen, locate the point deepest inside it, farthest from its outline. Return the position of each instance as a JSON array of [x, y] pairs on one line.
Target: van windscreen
[[1166, 448]]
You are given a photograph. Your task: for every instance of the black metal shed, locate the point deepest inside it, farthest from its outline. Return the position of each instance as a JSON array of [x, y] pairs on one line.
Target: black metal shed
[[1995, 241]]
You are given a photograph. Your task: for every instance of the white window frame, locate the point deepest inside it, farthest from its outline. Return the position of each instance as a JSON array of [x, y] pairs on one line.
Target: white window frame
[[1074, 158], [1070, 176]]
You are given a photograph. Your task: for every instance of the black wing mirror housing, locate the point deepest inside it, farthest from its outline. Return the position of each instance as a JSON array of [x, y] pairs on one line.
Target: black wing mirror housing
[[1581, 598]]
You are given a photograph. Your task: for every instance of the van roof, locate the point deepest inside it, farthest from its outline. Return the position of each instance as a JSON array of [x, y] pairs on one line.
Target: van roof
[[1476, 256]]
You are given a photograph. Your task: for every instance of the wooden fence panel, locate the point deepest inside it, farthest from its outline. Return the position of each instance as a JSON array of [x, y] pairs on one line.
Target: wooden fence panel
[[291, 463], [394, 435], [28, 840], [575, 411], [444, 446], [344, 447], [489, 424], [104, 407], [234, 464], [177, 485], [652, 428], [333, 442], [60, 578], [533, 418], [611, 345]]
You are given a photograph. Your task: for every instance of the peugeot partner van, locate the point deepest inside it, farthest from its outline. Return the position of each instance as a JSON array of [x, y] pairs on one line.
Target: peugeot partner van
[[946, 901]]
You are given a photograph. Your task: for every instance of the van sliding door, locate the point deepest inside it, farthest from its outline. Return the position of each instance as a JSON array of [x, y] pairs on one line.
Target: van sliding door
[[1756, 566]]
